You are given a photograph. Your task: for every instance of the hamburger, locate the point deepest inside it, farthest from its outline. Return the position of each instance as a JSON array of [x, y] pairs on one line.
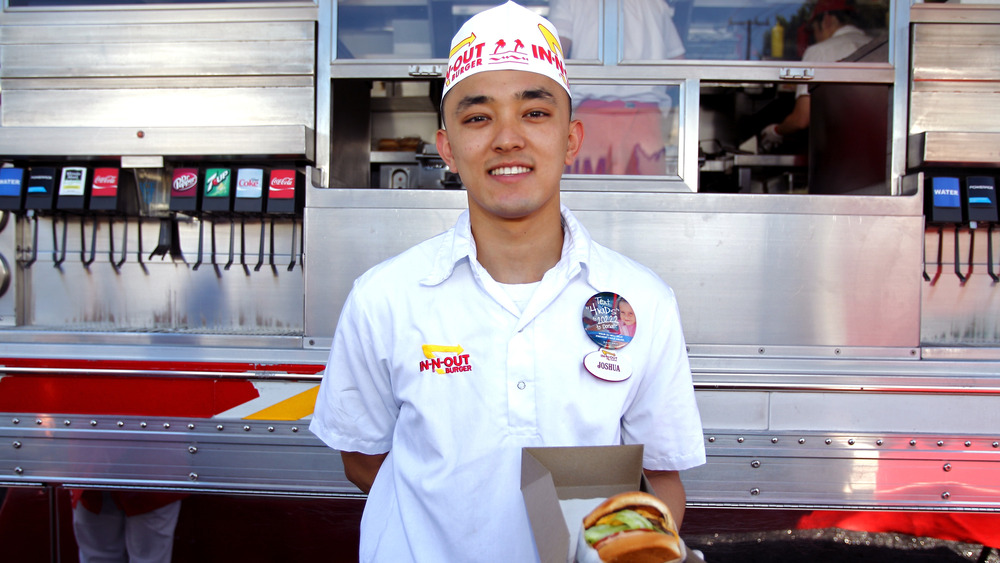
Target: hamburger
[[632, 527]]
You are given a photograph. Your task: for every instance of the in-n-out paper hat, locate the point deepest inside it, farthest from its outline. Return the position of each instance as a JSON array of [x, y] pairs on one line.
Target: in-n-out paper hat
[[507, 37]]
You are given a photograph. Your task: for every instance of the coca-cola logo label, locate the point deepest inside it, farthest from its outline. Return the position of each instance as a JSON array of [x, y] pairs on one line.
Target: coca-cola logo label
[[185, 180], [105, 182], [282, 184]]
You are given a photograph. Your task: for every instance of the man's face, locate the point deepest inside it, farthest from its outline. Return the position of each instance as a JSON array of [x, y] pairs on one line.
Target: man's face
[[509, 136]]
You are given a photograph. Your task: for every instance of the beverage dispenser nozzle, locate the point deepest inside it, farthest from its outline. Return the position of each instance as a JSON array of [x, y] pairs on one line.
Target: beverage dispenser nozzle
[[981, 206]]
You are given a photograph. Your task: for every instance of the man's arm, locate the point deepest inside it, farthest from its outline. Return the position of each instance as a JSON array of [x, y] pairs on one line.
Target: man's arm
[[668, 487], [361, 469]]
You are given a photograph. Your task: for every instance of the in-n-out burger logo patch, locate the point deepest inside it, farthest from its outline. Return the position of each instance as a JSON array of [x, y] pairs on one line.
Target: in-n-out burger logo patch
[[444, 359], [185, 180], [468, 54]]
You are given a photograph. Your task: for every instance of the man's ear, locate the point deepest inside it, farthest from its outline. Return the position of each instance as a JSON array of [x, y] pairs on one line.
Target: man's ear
[[575, 141], [444, 148]]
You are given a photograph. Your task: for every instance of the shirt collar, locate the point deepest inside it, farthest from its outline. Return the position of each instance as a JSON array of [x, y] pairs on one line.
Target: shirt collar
[[457, 245]]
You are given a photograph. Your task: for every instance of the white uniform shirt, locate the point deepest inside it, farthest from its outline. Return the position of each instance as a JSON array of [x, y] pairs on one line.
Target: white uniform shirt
[[841, 44], [434, 363]]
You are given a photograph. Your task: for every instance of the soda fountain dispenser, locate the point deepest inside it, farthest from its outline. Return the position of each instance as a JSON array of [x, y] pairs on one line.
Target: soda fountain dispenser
[[285, 197], [114, 195], [980, 206], [217, 197], [39, 197], [250, 197], [73, 196]]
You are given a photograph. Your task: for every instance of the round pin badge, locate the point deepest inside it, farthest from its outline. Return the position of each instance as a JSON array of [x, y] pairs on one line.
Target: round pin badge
[[608, 365], [609, 320]]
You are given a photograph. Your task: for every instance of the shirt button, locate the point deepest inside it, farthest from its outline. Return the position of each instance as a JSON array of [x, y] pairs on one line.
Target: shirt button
[[520, 385]]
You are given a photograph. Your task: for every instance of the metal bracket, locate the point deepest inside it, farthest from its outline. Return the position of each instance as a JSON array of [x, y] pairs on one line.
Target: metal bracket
[[792, 73], [425, 70]]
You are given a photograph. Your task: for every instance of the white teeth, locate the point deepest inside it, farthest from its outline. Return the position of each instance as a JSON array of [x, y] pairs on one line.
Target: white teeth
[[508, 170]]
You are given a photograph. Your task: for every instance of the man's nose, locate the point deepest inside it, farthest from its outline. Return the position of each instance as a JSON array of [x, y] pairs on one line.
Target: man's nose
[[509, 135]]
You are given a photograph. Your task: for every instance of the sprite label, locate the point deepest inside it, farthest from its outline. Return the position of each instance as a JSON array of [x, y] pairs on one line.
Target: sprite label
[[217, 182]]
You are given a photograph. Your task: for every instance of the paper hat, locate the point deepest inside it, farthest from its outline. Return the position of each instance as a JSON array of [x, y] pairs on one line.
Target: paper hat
[[507, 37]]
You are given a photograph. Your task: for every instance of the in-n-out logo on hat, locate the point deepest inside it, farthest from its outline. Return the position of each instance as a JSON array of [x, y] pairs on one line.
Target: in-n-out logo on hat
[[507, 37]]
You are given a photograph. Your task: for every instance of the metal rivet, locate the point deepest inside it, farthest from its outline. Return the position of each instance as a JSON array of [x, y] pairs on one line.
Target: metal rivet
[[947, 467], [16, 444], [39, 421], [190, 426], [192, 449], [66, 423], [755, 491], [18, 470], [850, 442], [193, 476], [295, 429], [836, 351], [740, 439], [142, 424], [270, 429], [802, 440], [166, 425], [246, 428], [879, 442], [16, 421], [940, 443], [93, 423], [913, 442], [946, 495], [774, 440], [828, 441], [755, 464], [760, 350], [121, 423], [711, 439], [219, 427], [968, 443], [996, 444]]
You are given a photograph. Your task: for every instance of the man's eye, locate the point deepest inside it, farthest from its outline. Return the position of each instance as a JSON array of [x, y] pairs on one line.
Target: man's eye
[[475, 119], [537, 114]]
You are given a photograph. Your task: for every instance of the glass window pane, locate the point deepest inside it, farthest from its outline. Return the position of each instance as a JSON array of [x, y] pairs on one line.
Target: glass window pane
[[579, 23], [406, 29], [748, 30], [843, 148], [627, 129]]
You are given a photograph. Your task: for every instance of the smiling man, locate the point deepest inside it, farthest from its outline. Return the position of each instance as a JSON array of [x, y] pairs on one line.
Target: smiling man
[[451, 357]]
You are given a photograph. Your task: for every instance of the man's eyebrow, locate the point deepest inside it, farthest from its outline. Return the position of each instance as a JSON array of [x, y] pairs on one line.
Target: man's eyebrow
[[469, 101], [537, 94]]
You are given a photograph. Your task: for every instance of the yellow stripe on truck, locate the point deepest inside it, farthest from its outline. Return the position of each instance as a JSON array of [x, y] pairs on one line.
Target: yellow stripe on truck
[[292, 408]]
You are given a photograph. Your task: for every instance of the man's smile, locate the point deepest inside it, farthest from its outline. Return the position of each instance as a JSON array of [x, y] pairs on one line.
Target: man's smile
[[509, 170]]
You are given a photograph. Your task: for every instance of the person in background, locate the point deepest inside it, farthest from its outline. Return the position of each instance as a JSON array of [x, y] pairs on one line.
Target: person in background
[[836, 38], [125, 526], [625, 124], [451, 357]]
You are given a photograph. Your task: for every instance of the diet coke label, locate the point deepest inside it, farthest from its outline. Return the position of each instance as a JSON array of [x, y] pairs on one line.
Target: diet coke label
[[249, 183], [185, 182], [105, 182], [282, 184]]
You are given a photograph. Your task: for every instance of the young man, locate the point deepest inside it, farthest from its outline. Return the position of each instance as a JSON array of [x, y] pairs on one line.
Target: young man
[[451, 357]]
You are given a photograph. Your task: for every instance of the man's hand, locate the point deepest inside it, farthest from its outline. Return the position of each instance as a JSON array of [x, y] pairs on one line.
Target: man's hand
[[770, 138]]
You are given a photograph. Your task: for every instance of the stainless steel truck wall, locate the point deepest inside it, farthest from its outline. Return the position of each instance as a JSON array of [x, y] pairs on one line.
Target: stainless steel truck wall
[[829, 372]]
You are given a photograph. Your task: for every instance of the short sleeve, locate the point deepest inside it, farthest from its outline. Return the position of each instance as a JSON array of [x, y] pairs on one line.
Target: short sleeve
[[355, 409]]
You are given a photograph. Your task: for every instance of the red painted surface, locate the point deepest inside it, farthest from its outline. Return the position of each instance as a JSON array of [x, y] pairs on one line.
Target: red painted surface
[[84, 392]]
